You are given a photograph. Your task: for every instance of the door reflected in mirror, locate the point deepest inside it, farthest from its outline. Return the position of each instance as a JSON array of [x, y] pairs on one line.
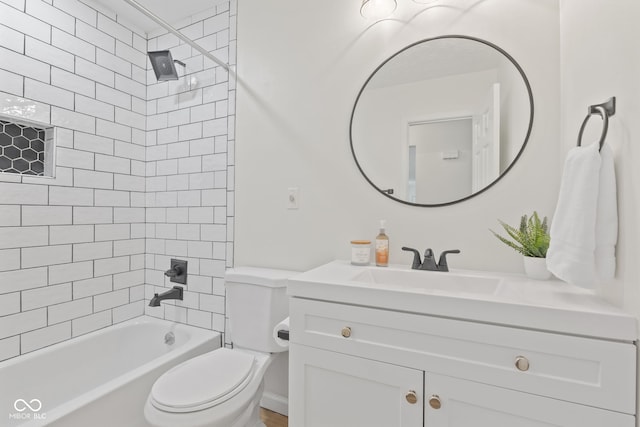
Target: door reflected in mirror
[[441, 121]]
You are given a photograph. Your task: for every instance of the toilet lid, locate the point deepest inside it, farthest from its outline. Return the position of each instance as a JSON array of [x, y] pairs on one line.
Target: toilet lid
[[203, 382]]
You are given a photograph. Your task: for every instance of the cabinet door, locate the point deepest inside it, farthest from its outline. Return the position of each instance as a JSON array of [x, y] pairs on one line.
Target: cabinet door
[[336, 390], [451, 402]]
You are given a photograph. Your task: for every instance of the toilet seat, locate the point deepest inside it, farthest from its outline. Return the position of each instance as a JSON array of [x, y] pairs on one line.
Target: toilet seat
[[203, 382]]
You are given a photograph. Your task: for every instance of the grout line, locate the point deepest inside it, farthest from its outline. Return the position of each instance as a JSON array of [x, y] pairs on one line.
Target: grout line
[[134, 226]]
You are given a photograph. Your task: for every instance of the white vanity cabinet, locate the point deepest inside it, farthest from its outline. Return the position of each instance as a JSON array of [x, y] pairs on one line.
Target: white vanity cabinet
[[336, 390], [353, 365], [452, 402]]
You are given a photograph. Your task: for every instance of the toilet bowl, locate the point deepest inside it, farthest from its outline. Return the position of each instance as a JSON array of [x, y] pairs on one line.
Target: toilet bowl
[[223, 388]]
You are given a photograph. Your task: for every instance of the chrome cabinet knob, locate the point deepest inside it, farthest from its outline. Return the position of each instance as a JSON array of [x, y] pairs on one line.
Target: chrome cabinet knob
[[522, 363], [346, 332], [411, 397], [434, 402]]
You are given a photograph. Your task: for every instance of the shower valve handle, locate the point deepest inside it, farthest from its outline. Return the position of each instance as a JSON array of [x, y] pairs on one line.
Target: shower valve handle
[[174, 271]]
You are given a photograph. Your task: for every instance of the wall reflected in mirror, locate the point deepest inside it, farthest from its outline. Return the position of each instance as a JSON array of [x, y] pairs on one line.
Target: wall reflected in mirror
[[441, 121]]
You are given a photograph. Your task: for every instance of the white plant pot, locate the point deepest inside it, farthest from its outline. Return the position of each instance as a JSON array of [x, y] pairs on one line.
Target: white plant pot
[[536, 268]]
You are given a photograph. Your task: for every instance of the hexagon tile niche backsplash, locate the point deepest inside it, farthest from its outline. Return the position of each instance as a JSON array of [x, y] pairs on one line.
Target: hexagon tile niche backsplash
[[22, 149]]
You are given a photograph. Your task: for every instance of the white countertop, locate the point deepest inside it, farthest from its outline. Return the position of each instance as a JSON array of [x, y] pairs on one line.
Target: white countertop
[[548, 305]]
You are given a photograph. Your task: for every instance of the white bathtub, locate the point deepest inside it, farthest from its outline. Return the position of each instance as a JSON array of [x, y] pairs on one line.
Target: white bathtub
[[101, 379]]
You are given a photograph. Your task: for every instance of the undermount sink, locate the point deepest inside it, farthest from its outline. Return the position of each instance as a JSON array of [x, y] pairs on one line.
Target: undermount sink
[[436, 282]]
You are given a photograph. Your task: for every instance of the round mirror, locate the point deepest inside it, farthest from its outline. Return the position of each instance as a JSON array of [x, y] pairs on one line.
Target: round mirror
[[441, 121]]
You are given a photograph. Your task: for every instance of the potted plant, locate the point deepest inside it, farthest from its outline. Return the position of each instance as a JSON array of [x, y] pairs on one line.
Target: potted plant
[[531, 239]]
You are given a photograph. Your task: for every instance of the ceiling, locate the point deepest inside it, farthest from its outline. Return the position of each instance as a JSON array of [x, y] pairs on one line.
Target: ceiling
[[171, 11]]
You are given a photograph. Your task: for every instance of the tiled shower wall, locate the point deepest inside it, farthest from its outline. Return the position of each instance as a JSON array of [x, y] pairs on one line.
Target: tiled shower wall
[[189, 196], [72, 248]]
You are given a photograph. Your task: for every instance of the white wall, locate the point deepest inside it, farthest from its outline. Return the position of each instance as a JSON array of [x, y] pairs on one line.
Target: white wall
[[299, 73], [513, 127], [600, 42]]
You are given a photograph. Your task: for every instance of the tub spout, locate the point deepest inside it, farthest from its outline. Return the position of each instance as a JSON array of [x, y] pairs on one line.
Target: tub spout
[[174, 293]]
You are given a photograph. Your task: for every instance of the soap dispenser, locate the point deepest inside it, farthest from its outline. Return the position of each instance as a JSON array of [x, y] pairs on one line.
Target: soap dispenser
[[382, 246]]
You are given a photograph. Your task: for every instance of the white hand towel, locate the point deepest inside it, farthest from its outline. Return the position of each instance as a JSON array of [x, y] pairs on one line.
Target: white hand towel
[[584, 227], [284, 324], [606, 218]]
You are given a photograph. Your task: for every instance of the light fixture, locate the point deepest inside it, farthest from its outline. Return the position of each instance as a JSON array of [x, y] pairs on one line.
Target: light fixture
[[377, 9]]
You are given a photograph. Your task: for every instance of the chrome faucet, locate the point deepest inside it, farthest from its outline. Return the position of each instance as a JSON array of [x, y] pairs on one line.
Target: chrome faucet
[[176, 292], [429, 262]]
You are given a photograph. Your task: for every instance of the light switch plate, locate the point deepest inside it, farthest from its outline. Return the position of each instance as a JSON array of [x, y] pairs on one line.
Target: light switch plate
[[293, 194]]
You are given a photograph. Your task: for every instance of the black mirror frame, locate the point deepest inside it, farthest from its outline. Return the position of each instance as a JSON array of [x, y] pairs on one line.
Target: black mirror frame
[[513, 162]]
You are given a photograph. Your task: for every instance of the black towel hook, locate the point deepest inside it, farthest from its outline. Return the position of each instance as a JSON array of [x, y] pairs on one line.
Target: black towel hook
[[604, 110]]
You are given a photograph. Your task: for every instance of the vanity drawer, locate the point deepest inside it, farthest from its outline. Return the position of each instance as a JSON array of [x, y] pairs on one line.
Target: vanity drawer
[[583, 370]]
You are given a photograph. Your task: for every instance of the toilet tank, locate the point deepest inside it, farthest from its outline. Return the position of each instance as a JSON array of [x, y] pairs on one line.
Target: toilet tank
[[256, 302]]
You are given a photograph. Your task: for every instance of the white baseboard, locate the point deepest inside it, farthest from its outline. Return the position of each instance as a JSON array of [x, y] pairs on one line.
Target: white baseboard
[[275, 402]]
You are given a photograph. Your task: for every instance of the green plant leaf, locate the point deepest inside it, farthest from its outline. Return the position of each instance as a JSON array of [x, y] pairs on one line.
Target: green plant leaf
[[508, 242], [531, 238]]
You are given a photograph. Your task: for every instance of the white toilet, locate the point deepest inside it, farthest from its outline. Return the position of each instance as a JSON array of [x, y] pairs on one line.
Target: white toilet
[[223, 388]]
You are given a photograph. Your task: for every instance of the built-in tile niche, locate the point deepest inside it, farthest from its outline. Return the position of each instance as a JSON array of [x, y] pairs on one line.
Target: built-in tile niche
[[26, 148]]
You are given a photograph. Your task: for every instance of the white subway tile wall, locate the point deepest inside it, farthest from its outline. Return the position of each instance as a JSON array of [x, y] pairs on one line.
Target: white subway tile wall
[[144, 172], [179, 176]]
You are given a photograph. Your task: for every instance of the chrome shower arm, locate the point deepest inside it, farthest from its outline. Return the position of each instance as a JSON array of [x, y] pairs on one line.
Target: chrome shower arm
[[177, 33]]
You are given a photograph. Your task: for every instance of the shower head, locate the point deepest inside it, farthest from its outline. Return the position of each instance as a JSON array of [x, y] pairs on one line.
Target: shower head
[[164, 65]]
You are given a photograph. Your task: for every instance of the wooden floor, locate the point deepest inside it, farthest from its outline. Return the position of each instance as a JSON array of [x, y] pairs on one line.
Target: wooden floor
[[273, 419]]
